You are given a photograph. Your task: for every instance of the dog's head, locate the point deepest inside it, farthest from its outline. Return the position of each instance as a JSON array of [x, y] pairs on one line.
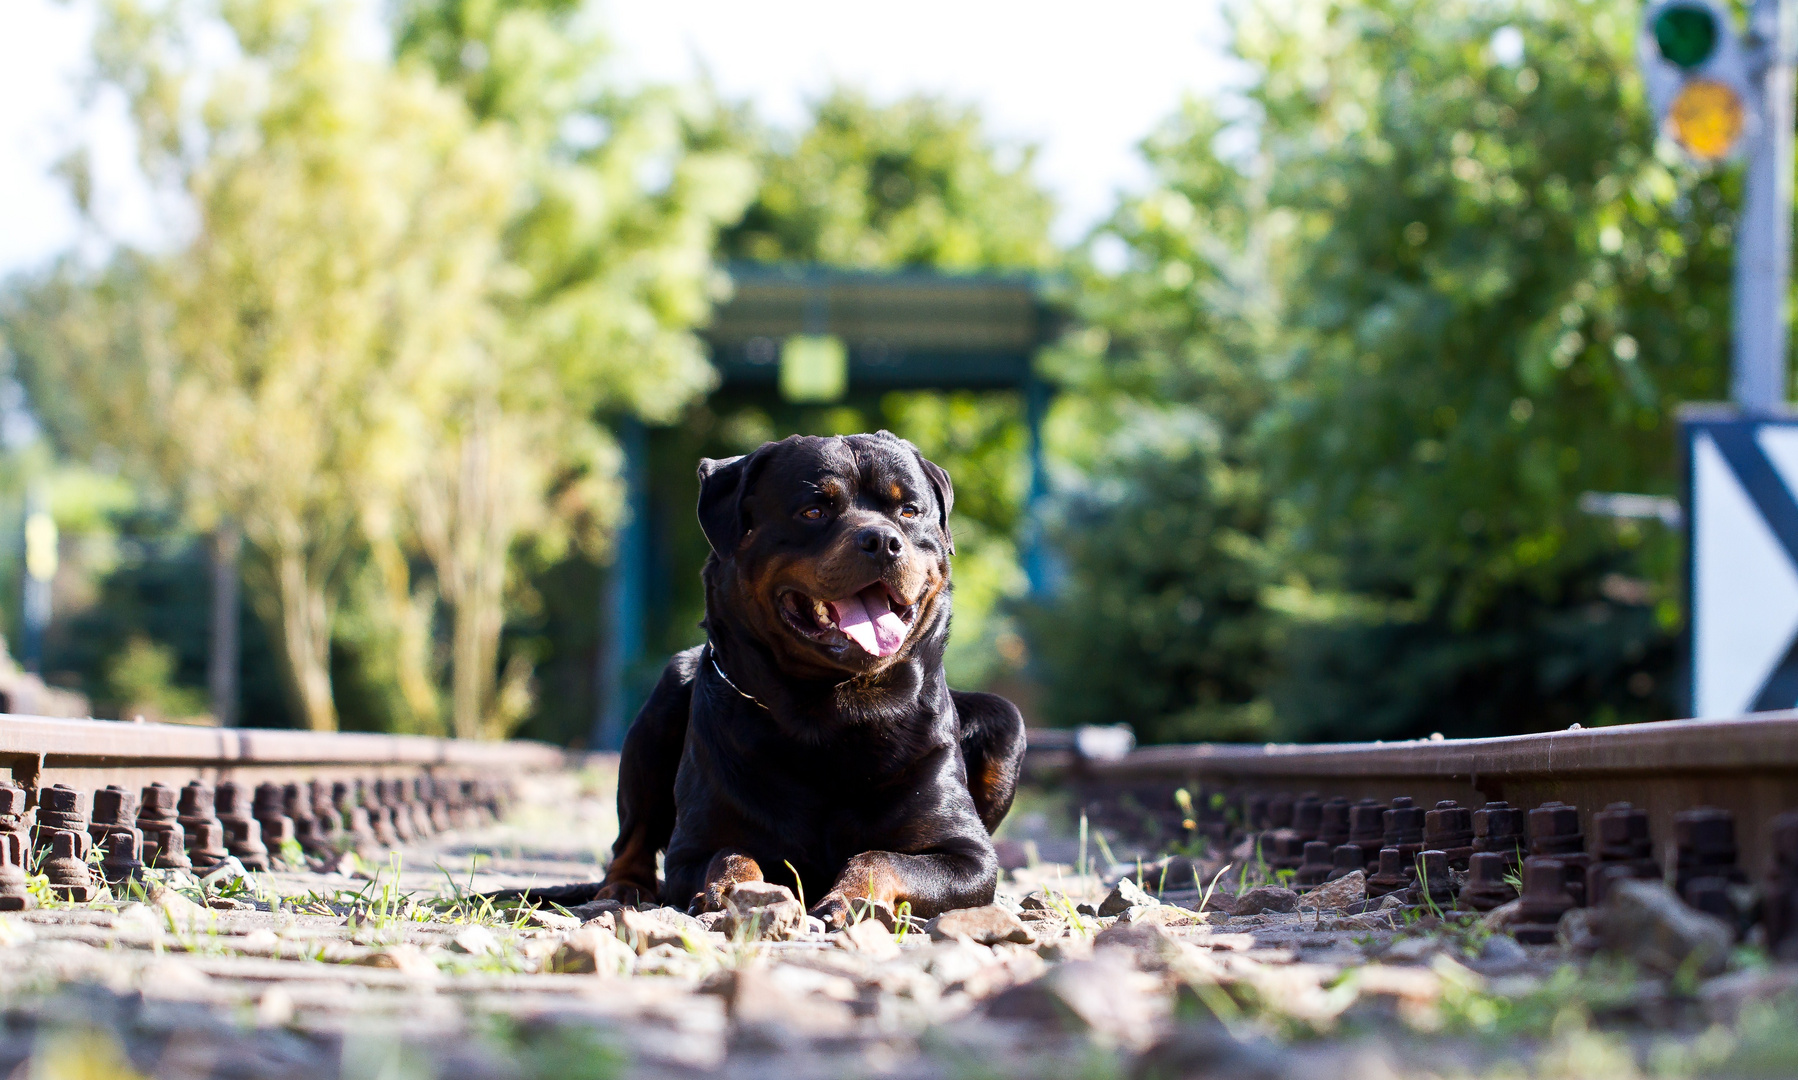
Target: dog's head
[[832, 552]]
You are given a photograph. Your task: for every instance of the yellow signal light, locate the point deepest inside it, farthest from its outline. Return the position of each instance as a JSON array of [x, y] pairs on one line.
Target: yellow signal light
[[1707, 118]]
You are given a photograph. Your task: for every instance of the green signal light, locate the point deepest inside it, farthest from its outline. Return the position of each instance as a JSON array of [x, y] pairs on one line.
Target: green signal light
[[1686, 36]]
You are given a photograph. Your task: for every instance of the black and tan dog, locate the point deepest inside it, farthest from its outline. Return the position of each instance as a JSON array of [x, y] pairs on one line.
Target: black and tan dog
[[815, 729]]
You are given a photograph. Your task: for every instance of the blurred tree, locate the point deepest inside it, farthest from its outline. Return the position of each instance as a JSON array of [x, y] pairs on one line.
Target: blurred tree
[[609, 242], [1163, 529], [1489, 290], [346, 225], [402, 314], [918, 182], [1498, 292]]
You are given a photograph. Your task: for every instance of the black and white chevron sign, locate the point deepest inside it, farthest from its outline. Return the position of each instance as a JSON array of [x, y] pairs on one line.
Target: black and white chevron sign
[[1742, 563]]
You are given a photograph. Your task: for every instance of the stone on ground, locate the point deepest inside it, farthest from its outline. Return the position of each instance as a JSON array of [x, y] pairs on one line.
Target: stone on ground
[[1644, 921], [988, 925], [1124, 895], [592, 951], [1101, 996], [1266, 898], [1337, 895], [869, 938], [763, 911], [644, 930]]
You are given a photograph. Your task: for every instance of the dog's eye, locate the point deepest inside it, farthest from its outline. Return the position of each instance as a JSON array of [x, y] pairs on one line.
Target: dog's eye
[[908, 511], [812, 513]]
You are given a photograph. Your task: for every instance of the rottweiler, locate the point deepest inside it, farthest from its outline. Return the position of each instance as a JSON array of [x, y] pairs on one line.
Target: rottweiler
[[813, 740]]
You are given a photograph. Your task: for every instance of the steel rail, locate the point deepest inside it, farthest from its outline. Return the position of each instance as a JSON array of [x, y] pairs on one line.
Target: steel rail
[[1748, 766], [89, 754]]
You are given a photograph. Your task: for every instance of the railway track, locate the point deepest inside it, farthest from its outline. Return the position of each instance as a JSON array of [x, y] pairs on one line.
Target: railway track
[[335, 966], [1710, 805], [174, 797]]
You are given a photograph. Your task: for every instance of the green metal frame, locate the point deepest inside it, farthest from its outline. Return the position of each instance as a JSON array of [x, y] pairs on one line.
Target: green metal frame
[[903, 330]]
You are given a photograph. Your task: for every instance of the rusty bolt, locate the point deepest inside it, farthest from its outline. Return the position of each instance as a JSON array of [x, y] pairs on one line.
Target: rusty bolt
[[330, 819], [124, 856], [14, 896], [420, 801], [243, 833], [1333, 822], [347, 797], [1254, 808], [165, 842], [1308, 816], [1434, 886], [269, 808], [1624, 850], [1555, 833], [1395, 873], [1449, 829], [1486, 887], [1780, 901], [66, 868], [1498, 827], [296, 801], [1367, 829], [1279, 810], [1621, 833], [1555, 830], [61, 807], [1316, 866], [113, 805], [1545, 899], [205, 833], [12, 800], [157, 804], [381, 816], [1346, 859], [1705, 844], [1403, 827]]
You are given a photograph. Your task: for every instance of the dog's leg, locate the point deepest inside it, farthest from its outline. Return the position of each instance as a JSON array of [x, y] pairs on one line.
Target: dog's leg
[[646, 769], [992, 744], [959, 874], [727, 869]]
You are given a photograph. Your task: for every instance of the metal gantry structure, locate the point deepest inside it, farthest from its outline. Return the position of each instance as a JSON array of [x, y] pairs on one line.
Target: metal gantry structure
[[816, 335]]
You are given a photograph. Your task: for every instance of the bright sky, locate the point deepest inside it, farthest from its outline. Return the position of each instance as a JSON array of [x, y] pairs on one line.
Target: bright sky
[[1082, 81]]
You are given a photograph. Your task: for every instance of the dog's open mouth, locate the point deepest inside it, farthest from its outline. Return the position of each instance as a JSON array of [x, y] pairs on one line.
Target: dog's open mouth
[[876, 618]]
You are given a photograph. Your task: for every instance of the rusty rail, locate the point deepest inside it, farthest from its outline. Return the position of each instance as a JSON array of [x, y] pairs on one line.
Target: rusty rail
[[90, 754], [1747, 766]]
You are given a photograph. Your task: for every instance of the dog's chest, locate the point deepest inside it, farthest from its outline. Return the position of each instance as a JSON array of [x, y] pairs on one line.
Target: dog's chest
[[745, 779]]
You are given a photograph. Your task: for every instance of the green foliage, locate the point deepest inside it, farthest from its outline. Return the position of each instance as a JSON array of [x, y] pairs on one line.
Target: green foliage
[[915, 183], [1161, 619], [415, 282], [1498, 294], [919, 182], [1423, 303]]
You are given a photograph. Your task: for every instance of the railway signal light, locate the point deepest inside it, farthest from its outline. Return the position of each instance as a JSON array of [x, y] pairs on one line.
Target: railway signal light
[[1698, 75]]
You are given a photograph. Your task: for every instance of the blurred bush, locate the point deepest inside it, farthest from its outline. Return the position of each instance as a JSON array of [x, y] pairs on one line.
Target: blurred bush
[[1372, 338]]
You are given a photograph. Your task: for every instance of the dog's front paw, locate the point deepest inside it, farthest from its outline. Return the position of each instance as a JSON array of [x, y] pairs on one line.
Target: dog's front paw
[[628, 893], [833, 910]]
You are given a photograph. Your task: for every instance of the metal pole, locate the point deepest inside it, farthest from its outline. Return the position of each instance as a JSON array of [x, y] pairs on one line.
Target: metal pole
[[624, 598], [1037, 567], [221, 665], [41, 543], [1764, 238]]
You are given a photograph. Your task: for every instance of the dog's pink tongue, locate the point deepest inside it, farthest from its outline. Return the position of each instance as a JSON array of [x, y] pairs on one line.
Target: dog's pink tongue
[[870, 621]]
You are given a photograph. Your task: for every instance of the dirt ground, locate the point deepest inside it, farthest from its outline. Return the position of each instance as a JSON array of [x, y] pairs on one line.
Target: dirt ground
[[395, 969]]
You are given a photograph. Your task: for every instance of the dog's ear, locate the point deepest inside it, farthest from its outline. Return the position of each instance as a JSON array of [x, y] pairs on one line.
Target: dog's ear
[[722, 485], [945, 494]]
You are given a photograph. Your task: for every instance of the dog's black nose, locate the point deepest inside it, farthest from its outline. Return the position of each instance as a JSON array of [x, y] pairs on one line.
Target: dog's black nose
[[880, 543]]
